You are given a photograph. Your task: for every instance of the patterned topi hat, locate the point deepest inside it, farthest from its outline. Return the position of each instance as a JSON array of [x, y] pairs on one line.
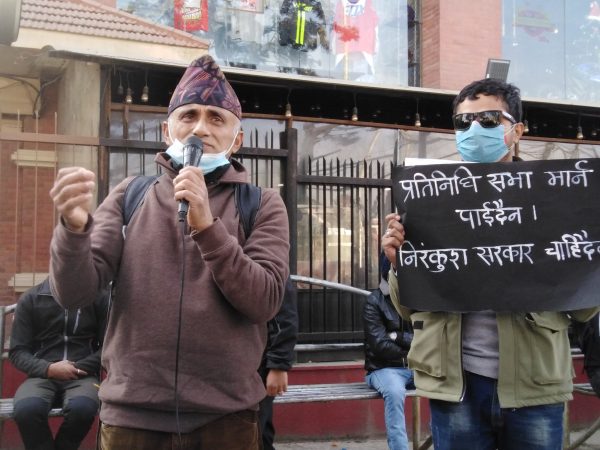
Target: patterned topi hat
[[204, 83]]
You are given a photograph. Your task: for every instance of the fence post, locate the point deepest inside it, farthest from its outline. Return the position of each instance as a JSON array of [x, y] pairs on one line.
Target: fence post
[[289, 139]]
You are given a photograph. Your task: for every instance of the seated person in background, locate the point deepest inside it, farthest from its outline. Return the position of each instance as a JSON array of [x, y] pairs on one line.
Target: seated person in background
[[387, 341], [277, 360], [59, 350], [589, 341]]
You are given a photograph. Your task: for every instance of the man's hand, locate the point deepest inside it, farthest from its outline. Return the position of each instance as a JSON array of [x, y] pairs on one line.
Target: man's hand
[[393, 238], [72, 195], [277, 382], [189, 184], [65, 370]]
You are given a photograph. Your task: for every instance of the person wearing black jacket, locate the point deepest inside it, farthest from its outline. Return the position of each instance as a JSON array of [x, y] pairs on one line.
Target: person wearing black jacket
[[387, 341], [59, 351], [589, 342], [277, 360]]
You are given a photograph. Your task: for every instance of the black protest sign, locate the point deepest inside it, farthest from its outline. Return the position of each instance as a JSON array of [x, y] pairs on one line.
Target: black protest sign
[[516, 236]]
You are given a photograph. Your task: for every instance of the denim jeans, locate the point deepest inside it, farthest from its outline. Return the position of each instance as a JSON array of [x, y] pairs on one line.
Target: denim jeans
[[391, 382], [479, 423]]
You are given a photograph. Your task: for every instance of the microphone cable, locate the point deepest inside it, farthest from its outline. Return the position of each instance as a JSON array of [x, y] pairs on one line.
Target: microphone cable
[[177, 346], [192, 153]]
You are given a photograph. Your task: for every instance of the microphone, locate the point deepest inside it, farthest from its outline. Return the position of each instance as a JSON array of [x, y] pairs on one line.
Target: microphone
[[192, 152]]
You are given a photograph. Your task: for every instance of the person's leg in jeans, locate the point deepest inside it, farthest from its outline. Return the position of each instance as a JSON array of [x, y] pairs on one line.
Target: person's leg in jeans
[[468, 424], [532, 428], [391, 383], [80, 406], [33, 401]]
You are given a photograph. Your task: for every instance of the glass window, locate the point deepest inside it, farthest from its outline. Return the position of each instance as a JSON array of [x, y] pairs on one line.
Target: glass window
[[361, 40], [554, 48]]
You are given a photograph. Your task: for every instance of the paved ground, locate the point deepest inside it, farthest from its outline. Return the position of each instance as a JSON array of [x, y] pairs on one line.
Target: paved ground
[[380, 444]]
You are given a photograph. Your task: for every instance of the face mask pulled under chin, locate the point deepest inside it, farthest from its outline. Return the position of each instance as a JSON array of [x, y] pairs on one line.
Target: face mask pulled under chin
[[479, 144], [209, 161]]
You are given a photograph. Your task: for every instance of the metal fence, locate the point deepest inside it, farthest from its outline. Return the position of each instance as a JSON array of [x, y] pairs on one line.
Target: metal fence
[[336, 211]]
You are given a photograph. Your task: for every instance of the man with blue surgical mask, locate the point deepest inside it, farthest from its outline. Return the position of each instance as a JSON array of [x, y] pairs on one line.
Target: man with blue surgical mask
[[487, 121], [497, 398], [187, 326]]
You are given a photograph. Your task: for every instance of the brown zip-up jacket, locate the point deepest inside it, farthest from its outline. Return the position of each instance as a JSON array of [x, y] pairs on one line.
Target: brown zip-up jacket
[[231, 289]]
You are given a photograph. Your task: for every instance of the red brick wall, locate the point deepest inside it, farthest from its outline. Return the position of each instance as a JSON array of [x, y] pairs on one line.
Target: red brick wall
[[430, 43], [457, 39], [27, 212], [8, 196]]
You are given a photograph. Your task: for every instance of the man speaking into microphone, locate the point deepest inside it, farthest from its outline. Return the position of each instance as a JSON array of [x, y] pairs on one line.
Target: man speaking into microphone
[[187, 325]]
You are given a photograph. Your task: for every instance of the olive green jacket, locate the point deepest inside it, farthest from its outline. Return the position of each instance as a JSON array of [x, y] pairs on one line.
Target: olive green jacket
[[535, 366]]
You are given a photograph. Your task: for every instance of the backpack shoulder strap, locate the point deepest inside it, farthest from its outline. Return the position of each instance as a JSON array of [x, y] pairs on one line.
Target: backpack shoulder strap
[[247, 201], [134, 195]]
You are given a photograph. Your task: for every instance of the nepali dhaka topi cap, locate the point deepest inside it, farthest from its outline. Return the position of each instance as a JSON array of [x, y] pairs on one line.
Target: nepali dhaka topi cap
[[204, 83]]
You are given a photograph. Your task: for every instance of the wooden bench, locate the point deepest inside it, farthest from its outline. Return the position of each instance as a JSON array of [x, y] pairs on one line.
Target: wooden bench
[[303, 393]]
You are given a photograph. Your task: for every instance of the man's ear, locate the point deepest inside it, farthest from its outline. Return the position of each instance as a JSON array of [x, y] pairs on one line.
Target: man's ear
[[165, 133], [519, 129], [238, 141]]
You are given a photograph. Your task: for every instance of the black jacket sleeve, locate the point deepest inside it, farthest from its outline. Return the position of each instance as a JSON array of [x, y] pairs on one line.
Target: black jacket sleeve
[[283, 332], [376, 334], [22, 339], [588, 335]]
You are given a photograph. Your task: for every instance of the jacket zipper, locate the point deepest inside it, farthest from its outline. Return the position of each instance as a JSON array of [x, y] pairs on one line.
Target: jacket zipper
[[65, 338]]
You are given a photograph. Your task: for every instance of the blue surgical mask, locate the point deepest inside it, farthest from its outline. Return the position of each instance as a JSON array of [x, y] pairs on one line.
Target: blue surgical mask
[[479, 144], [209, 161], [175, 151]]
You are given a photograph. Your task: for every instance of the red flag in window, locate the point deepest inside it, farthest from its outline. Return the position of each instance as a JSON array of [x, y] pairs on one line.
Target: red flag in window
[[191, 15]]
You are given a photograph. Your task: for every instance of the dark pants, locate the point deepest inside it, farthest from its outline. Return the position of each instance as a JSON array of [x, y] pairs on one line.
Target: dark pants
[[36, 397], [237, 431], [265, 415], [594, 376], [265, 419]]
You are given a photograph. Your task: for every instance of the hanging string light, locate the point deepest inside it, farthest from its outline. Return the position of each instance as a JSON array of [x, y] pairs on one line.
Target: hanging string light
[[354, 117], [288, 107], [525, 127], [120, 89], [417, 120], [129, 96], [579, 129], [145, 90], [417, 116]]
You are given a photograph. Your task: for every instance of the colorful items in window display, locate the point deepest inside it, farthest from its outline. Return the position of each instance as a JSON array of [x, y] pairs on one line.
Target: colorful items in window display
[[356, 26], [247, 5], [302, 25], [191, 15]]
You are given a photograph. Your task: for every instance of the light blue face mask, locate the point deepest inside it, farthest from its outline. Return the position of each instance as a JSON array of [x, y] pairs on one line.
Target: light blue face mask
[[209, 161], [478, 144]]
